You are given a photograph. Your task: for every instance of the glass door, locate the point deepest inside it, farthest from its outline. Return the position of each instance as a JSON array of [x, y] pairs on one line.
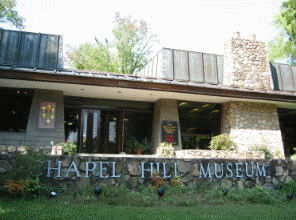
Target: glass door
[[101, 131], [90, 131]]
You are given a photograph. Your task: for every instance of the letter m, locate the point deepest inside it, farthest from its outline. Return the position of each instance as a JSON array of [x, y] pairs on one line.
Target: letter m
[[203, 173]]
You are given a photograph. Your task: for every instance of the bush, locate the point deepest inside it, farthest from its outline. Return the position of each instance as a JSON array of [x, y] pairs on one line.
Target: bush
[[15, 188], [293, 157], [254, 195], [289, 187], [221, 142], [33, 186], [264, 149], [132, 146], [69, 148], [29, 165]]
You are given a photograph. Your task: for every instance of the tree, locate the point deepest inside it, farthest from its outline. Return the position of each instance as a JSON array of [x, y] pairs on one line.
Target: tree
[[128, 52], [284, 46], [9, 15]]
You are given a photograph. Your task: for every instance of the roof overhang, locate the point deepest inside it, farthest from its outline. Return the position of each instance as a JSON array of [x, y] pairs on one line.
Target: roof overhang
[[135, 88]]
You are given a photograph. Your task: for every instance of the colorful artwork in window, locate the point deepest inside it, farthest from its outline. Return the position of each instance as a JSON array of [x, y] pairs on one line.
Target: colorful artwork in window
[[47, 115]]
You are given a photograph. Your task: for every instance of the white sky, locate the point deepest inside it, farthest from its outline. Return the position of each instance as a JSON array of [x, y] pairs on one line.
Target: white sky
[[198, 25]]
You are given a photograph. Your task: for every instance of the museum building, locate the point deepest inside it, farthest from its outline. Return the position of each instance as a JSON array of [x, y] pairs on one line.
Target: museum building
[[181, 97]]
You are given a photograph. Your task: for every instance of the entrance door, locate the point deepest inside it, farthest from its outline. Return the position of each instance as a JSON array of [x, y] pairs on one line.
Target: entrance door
[[100, 131]]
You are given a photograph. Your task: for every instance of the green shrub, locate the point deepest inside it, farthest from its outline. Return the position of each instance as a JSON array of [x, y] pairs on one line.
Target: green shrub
[[14, 188], [69, 148], [293, 157], [33, 186], [264, 149], [289, 187], [29, 165], [254, 195], [132, 146], [221, 142]]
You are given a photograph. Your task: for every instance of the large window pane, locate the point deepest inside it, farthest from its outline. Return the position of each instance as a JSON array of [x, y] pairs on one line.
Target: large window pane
[[15, 108], [287, 119], [137, 130], [199, 122]]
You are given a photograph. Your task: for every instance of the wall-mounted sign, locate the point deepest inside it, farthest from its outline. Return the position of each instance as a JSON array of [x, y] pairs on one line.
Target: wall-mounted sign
[[169, 132], [47, 115], [167, 170]]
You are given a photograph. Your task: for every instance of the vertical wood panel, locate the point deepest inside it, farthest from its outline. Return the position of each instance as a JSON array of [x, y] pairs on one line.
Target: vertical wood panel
[[294, 76], [181, 65], [196, 67], [287, 79], [279, 77], [9, 47], [220, 66], [167, 65], [29, 50], [48, 51], [210, 68]]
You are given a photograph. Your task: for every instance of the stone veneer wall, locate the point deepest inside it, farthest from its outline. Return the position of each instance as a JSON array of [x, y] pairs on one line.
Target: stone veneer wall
[[219, 154], [277, 171], [251, 124], [246, 64]]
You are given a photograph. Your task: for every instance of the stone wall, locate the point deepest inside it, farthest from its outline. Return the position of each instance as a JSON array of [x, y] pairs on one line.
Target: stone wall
[[250, 124], [219, 154], [246, 64], [114, 171]]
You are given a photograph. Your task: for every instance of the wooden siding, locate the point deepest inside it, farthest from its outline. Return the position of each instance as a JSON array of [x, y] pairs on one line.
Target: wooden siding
[[181, 65], [31, 50], [284, 76], [184, 65]]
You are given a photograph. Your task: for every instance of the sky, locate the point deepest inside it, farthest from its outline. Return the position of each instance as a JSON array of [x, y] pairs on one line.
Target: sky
[[196, 25]]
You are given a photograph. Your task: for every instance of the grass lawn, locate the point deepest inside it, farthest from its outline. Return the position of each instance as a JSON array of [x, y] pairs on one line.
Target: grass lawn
[[100, 208]]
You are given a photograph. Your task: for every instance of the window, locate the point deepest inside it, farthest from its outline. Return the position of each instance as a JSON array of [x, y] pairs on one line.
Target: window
[[15, 109], [199, 122], [287, 118]]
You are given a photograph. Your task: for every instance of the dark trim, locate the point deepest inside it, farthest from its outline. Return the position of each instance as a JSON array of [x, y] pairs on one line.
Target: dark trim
[[82, 80]]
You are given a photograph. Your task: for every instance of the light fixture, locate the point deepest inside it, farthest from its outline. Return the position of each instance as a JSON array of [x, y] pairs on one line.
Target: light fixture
[[52, 194], [290, 196], [182, 103], [195, 109], [160, 192], [206, 105], [225, 192], [216, 110], [98, 190]]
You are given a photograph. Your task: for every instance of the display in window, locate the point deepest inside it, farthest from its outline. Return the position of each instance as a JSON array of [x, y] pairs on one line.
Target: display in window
[[47, 115]]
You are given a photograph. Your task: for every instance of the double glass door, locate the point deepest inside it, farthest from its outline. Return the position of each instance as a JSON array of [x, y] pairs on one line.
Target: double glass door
[[101, 131]]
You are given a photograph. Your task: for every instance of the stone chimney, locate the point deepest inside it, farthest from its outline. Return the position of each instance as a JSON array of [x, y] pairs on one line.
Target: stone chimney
[[246, 65]]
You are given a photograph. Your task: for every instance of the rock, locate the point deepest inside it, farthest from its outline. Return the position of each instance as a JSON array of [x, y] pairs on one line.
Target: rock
[[279, 171], [288, 179], [183, 167], [268, 186], [240, 184], [250, 183], [226, 184], [134, 168], [275, 181], [5, 166], [195, 171], [268, 179]]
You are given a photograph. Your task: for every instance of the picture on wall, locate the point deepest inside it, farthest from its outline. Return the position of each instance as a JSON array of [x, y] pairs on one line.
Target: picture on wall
[[47, 115]]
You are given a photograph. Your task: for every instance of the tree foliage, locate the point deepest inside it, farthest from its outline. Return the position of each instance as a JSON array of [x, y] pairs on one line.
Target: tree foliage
[[284, 46], [8, 14], [128, 52]]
